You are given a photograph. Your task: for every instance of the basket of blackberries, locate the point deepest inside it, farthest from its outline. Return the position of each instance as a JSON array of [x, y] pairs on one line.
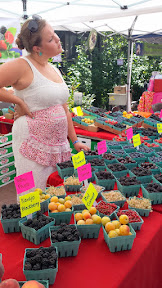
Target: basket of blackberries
[[97, 163], [138, 157], [109, 158], [158, 177], [66, 238], [129, 186], [10, 217], [127, 162], [41, 264], [117, 169], [36, 230], [143, 175], [65, 169], [91, 154], [106, 179], [153, 191], [152, 166]]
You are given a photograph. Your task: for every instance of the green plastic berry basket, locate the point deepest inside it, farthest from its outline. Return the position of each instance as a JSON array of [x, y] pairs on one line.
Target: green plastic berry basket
[[61, 217], [131, 190], [119, 203], [118, 174], [111, 147], [44, 282], [65, 172], [35, 236], [45, 274], [78, 206], [88, 231], [107, 162], [107, 183], [120, 243], [58, 196], [154, 171], [11, 225], [72, 188], [141, 212], [135, 225], [99, 168], [44, 205], [89, 157], [111, 216], [66, 248], [99, 193], [156, 198], [140, 159], [142, 179]]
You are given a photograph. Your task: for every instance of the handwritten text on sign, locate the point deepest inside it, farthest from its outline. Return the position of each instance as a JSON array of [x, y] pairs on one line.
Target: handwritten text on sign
[[101, 146], [78, 111], [84, 172], [159, 128], [136, 140], [29, 203], [89, 196], [78, 159], [129, 133], [24, 182]]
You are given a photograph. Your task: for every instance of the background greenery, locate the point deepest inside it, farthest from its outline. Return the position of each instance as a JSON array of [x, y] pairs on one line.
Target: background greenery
[[95, 74]]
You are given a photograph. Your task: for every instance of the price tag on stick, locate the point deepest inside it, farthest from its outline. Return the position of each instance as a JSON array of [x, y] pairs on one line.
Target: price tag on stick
[[102, 147], [129, 133], [84, 172], [159, 128], [137, 141], [24, 182], [90, 196], [78, 111], [29, 203], [160, 113], [78, 159]]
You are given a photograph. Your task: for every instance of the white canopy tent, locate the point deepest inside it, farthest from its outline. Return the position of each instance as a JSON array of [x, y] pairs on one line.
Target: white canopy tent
[[126, 17]]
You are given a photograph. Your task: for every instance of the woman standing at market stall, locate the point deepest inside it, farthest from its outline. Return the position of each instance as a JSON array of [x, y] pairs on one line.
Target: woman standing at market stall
[[42, 119]]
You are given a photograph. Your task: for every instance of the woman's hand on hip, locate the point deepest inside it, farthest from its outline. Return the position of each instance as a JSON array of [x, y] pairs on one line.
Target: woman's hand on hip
[[80, 146], [21, 110]]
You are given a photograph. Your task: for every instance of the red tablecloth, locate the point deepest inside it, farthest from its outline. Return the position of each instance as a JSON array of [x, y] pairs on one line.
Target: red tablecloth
[[5, 125], [100, 134]]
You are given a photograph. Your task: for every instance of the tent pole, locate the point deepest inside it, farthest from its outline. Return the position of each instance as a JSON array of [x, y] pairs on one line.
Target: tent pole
[[128, 74]]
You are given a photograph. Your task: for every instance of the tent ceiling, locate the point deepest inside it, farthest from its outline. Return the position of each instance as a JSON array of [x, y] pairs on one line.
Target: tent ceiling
[[83, 15]]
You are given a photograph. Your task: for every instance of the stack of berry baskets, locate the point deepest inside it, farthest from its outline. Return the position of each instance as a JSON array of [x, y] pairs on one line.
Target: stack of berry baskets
[[106, 209], [36, 230], [129, 186], [134, 218], [10, 217], [66, 238], [141, 205], [88, 223], [46, 266], [153, 191], [76, 200], [72, 184], [105, 178], [119, 242], [114, 196], [65, 169], [43, 282], [58, 191], [98, 188]]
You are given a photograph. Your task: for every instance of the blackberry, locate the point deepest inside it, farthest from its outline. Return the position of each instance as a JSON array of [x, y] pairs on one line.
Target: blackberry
[[37, 266], [44, 267], [3, 29], [60, 237], [27, 266], [4, 206]]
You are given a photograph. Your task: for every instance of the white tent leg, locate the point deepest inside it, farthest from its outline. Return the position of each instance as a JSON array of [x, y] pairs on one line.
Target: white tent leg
[[129, 72]]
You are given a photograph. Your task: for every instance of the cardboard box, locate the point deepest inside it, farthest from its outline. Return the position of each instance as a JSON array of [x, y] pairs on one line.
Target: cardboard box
[[6, 160], [7, 168], [5, 150], [5, 139], [120, 89], [7, 178]]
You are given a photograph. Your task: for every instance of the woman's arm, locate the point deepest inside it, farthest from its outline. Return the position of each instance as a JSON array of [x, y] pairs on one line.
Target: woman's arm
[[10, 73], [71, 132]]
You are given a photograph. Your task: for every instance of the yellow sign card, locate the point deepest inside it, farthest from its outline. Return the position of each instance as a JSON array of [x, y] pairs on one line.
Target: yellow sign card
[[159, 127], [78, 111], [136, 140], [90, 196], [78, 159], [29, 203]]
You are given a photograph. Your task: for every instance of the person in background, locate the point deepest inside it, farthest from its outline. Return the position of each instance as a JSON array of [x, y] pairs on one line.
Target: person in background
[[42, 119]]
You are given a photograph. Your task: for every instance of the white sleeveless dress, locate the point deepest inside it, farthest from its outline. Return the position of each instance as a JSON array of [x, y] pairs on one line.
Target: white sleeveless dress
[[40, 143]]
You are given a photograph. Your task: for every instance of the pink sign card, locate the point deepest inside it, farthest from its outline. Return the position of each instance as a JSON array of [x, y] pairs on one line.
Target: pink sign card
[[84, 172], [160, 113], [102, 147], [24, 182], [129, 133]]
